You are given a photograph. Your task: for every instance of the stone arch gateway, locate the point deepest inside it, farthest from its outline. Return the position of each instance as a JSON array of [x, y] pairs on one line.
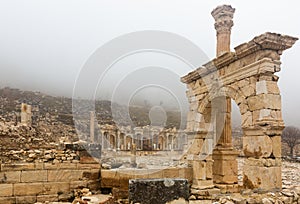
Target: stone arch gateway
[[246, 76]]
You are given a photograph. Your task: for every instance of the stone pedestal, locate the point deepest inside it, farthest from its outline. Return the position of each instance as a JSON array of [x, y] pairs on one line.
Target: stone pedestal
[[202, 174], [225, 166], [262, 173]]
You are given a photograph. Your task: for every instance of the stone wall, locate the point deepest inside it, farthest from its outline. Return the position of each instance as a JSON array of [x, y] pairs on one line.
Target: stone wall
[[118, 179], [39, 182]]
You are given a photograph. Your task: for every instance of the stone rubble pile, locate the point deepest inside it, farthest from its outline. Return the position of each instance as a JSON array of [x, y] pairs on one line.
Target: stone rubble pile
[[22, 143]]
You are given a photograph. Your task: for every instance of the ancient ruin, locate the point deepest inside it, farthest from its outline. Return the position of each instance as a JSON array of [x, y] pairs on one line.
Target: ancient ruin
[[246, 76], [43, 158]]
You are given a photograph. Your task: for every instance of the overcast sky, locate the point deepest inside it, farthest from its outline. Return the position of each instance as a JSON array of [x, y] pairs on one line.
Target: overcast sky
[[45, 44]]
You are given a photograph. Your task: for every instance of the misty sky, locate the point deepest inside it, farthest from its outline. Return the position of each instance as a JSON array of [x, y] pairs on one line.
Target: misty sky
[[45, 44]]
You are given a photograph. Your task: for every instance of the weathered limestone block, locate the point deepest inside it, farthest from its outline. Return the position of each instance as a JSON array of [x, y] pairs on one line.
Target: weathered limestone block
[[257, 146], [243, 83], [276, 144], [196, 147], [209, 169], [267, 178], [49, 198], [6, 190], [78, 184], [264, 101], [248, 90], [23, 189], [17, 166], [88, 166], [10, 177], [264, 113], [64, 175], [225, 167], [261, 87], [109, 178], [171, 173], [247, 119], [51, 188], [34, 176], [159, 191], [276, 115], [60, 165], [186, 173], [263, 162], [243, 108], [272, 87], [153, 173], [8, 200], [25, 199], [198, 117], [202, 184], [199, 170]]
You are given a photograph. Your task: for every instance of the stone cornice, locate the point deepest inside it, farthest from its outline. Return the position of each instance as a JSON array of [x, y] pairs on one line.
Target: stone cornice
[[266, 41]]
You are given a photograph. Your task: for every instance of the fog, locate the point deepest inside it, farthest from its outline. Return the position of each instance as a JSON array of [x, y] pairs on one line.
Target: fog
[[45, 46]]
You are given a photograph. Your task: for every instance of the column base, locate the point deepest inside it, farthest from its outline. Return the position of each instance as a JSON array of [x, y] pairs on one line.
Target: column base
[[225, 166]]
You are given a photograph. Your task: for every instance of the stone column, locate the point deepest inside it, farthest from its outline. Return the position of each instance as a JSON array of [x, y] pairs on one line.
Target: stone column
[[225, 164], [223, 16], [92, 126], [26, 114], [223, 22], [133, 155]]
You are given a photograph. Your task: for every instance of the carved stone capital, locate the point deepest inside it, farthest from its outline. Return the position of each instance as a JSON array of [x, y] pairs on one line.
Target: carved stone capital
[[223, 16]]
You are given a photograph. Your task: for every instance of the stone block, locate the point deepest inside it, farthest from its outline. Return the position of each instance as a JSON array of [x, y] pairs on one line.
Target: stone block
[[65, 175], [51, 188], [257, 146], [38, 166], [78, 184], [153, 173], [186, 173], [202, 184], [276, 144], [195, 148], [6, 190], [266, 178], [34, 176], [158, 191], [49, 198], [92, 174], [109, 179], [60, 166], [272, 87], [88, 166], [119, 193], [17, 167], [8, 200], [10, 177], [264, 101], [25, 189], [209, 169], [171, 173], [248, 90], [247, 119], [261, 87], [25, 199], [199, 170]]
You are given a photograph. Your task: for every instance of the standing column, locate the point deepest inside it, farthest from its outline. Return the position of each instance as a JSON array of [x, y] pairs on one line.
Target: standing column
[[224, 156], [92, 126], [223, 16]]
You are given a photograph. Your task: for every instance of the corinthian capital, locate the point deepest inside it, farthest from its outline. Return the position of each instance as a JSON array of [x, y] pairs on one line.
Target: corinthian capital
[[223, 16]]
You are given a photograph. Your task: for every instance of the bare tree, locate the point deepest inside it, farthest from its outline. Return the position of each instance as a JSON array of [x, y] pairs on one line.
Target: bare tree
[[291, 136]]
